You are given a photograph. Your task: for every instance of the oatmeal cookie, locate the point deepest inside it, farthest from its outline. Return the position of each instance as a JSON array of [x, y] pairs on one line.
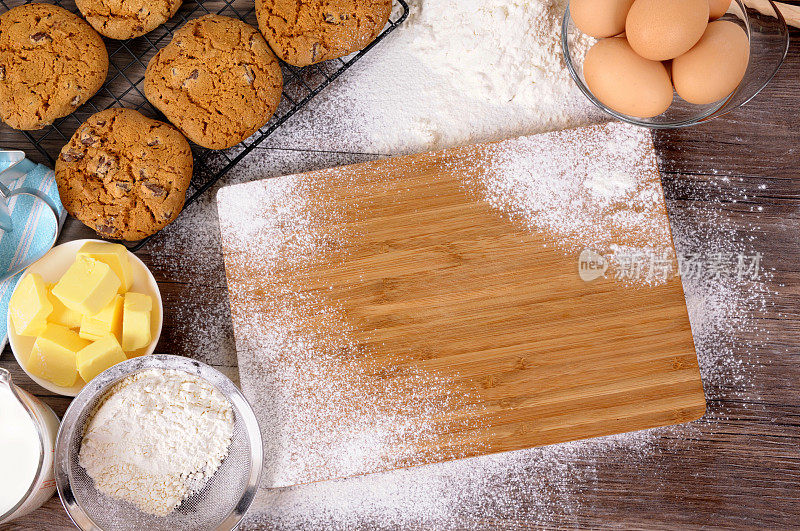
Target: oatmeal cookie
[[51, 62], [304, 33], [217, 81], [125, 20], [124, 175]]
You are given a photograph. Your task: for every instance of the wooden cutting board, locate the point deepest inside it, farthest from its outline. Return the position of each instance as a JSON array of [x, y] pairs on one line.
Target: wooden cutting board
[[389, 314]]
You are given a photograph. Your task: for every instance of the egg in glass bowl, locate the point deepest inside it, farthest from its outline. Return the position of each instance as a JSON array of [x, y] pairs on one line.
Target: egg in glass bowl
[[672, 63]]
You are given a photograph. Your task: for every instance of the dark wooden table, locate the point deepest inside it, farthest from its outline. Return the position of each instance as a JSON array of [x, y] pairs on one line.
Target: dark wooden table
[[741, 465]]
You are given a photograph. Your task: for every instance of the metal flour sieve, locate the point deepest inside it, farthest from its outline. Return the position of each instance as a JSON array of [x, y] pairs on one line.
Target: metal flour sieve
[[220, 504]]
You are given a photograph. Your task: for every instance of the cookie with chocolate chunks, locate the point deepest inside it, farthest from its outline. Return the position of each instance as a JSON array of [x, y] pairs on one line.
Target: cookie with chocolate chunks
[[51, 63], [217, 81], [304, 33], [124, 175], [128, 19]]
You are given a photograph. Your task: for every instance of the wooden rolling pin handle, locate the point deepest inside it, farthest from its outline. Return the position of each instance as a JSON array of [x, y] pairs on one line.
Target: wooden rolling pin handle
[[790, 13]]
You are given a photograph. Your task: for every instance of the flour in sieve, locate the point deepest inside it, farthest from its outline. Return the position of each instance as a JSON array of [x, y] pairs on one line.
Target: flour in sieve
[[156, 438]]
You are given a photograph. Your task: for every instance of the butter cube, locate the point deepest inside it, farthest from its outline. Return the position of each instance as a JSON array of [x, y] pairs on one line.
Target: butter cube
[[114, 255], [53, 355], [106, 321], [99, 356], [29, 306], [136, 321], [87, 286], [61, 314]]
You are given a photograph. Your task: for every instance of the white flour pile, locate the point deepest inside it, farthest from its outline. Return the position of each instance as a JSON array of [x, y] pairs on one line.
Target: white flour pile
[[156, 438], [456, 72], [497, 51]]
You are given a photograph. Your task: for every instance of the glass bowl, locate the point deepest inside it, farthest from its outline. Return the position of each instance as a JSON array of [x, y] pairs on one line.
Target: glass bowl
[[219, 505], [769, 44]]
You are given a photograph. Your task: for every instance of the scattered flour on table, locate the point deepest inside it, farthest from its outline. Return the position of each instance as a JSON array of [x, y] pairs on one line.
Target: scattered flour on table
[[456, 72], [595, 188], [723, 309], [325, 408], [156, 438], [549, 485], [188, 252], [541, 485], [321, 412]]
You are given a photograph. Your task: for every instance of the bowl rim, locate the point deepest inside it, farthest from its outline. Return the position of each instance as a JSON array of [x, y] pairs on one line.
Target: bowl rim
[[708, 115], [13, 337], [100, 384]]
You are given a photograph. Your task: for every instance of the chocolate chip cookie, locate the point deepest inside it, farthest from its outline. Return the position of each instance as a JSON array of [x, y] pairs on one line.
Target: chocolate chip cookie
[[304, 33], [51, 62], [124, 175], [125, 20], [217, 81]]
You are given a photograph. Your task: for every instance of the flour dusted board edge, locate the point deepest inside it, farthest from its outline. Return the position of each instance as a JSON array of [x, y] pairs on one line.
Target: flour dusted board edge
[[388, 315]]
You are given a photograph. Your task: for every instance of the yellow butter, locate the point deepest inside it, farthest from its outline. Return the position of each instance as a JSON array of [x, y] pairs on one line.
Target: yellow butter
[[114, 255], [61, 314], [99, 356], [136, 321], [29, 306], [106, 321], [53, 355], [87, 286]]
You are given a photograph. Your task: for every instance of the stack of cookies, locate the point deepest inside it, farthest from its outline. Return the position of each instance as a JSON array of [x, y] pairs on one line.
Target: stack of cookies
[[218, 82]]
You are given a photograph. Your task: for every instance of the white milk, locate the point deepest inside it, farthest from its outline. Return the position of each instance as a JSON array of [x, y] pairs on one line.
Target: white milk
[[20, 450], [22, 433]]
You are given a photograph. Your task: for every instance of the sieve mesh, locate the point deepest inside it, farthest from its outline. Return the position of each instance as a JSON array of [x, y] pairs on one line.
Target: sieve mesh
[[219, 504]]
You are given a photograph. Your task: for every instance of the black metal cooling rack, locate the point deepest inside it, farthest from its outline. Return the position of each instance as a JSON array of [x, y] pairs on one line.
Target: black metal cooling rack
[[125, 88]]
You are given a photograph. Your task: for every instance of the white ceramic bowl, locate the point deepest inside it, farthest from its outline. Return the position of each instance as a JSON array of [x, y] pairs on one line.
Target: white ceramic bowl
[[52, 266]]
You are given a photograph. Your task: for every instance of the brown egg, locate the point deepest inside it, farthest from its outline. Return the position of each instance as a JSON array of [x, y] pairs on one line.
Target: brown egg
[[600, 18], [717, 8], [664, 29], [625, 81], [715, 66]]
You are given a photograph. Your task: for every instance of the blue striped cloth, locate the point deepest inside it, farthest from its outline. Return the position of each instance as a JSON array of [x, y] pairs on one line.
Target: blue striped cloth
[[34, 235]]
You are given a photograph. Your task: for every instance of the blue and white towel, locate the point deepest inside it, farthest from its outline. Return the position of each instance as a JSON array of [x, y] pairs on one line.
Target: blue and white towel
[[33, 234]]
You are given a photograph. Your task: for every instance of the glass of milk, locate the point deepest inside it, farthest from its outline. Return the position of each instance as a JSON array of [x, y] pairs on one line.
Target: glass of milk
[[28, 431]]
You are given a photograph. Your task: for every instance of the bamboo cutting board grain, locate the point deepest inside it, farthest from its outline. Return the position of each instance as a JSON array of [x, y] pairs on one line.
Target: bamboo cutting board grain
[[437, 290]]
